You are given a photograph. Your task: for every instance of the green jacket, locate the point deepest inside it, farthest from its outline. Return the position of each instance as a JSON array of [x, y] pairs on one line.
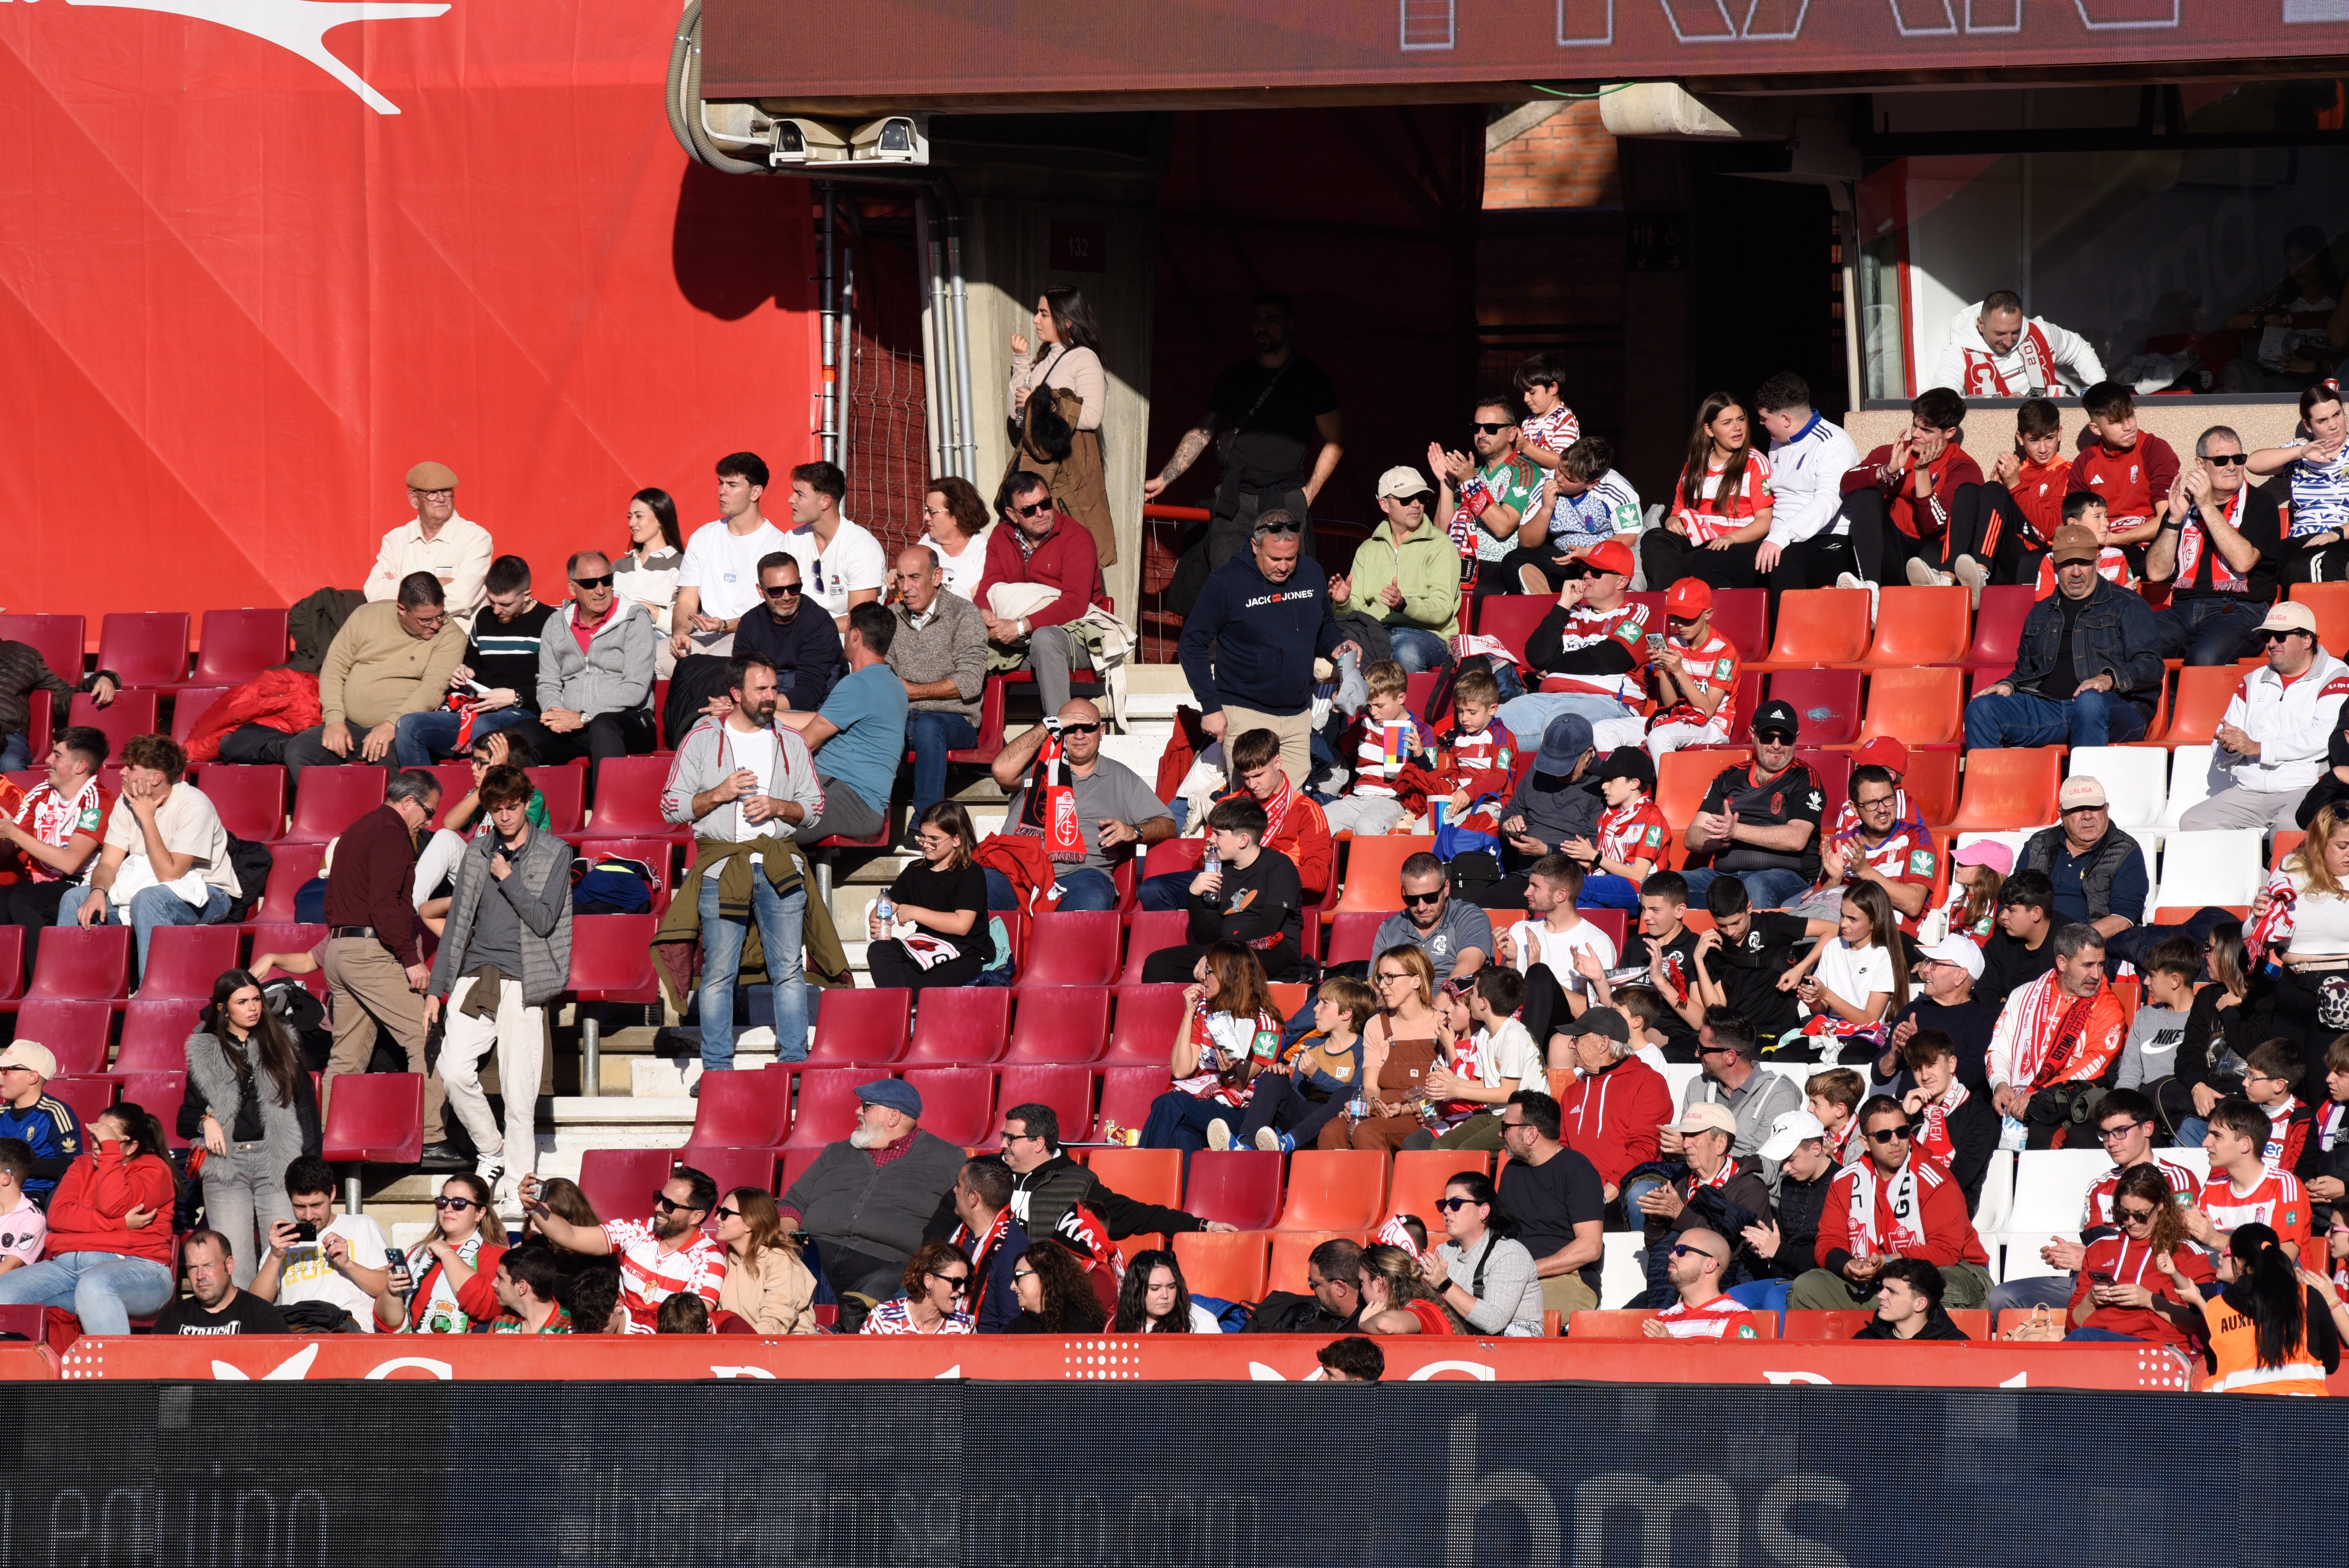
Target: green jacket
[[1428, 578]]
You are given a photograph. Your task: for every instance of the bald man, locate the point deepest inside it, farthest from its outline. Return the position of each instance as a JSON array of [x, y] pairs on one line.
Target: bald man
[[1115, 809], [1699, 1310], [940, 653]]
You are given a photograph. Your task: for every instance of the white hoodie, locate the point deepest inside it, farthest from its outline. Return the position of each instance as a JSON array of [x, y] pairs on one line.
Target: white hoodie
[[2075, 364]]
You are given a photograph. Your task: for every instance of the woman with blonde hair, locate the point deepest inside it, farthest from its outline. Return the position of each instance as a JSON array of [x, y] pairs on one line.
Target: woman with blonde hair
[[1228, 1032], [766, 1285], [1396, 1297], [1399, 1044]]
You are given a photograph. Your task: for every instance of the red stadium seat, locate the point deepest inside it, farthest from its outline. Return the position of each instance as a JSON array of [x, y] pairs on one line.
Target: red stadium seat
[[291, 866], [59, 639], [327, 800], [728, 1166], [1683, 777], [1068, 1091], [1998, 627], [627, 800], [861, 1025], [1825, 626], [2009, 789], [12, 961], [826, 1111], [75, 1033], [131, 713], [621, 1183], [1241, 1187], [1292, 1250], [660, 854], [1925, 707], [1743, 615], [1152, 931], [990, 743], [1223, 1265], [1418, 1178], [1060, 1025], [1335, 1190], [2203, 693], [1353, 932], [456, 780], [238, 644], [1826, 702], [1512, 617], [2329, 602], [154, 1033], [565, 789], [1071, 947], [190, 705], [794, 1165], [1145, 1175], [957, 1103], [184, 960], [1920, 626], [291, 939], [82, 963], [1615, 922], [1126, 1097], [91, 1096], [1429, 698], [1147, 1019], [1931, 786], [611, 961], [377, 1118], [148, 649], [250, 797], [960, 1026], [1374, 877]]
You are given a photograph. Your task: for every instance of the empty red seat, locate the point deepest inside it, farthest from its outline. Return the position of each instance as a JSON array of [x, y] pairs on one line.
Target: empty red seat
[[189, 706], [1334, 1190], [1241, 1187], [1152, 930], [327, 800], [1820, 627], [1145, 1175], [750, 1110], [826, 1111], [185, 960], [1920, 626], [1354, 933], [729, 1168], [74, 1032], [456, 781], [12, 961], [565, 789], [628, 799], [291, 866], [2003, 791], [791, 1165], [1071, 947], [1931, 786], [1998, 626], [1125, 1096], [238, 644], [1418, 1177], [866, 1025], [960, 1026], [957, 1103], [1059, 1024], [1068, 1091], [59, 639], [2203, 693], [147, 649], [1512, 617], [611, 959], [155, 1034], [377, 1118], [1743, 615], [131, 713], [91, 1096], [1925, 707], [82, 963], [249, 797], [1826, 703], [1148, 1017], [1222, 1266], [1374, 877], [1615, 922], [621, 1183]]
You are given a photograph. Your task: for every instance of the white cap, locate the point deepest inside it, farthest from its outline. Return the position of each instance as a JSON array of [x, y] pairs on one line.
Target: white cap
[[1401, 482], [1793, 1129], [1958, 950]]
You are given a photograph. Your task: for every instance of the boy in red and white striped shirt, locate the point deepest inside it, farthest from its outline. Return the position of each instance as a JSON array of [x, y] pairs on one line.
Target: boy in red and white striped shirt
[[1700, 1257], [2242, 1189]]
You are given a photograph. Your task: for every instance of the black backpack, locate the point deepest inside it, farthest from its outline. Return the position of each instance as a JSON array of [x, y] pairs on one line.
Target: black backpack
[[253, 863]]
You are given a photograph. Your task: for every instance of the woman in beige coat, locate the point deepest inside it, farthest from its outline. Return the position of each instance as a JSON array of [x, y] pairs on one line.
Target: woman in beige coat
[[766, 1284], [1064, 370]]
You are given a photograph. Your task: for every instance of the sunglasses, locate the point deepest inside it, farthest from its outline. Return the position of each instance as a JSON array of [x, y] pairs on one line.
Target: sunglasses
[[662, 1201], [1775, 737], [958, 1284], [1485, 429], [726, 1214], [2277, 636], [1286, 525], [1039, 509], [593, 583], [2129, 1216], [1889, 1135], [459, 1205], [1018, 1274], [1081, 730], [788, 591], [1436, 897], [1423, 499], [1452, 1205], [1685, 1250], [2228, 459]]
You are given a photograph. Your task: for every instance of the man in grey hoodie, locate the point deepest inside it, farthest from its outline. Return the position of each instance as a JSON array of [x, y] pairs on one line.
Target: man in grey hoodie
[[595, 674]]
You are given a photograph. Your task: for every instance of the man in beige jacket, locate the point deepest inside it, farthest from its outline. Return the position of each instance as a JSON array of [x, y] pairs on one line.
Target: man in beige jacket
[[456, 551]]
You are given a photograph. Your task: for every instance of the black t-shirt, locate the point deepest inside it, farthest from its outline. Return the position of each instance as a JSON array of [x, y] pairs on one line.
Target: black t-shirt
[[2007, 964], [241, 1313], [1276, 912], [1548, 1199], [1270, 447], [1679, 956], [926, 887], [1769, 801], [1748, 974], [2060, 682], [2262, 526], [1968, 1025]]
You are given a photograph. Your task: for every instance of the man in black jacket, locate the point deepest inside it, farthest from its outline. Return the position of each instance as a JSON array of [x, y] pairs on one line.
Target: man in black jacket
[[805, 647], [2087, 668], [1333, 1273], [1046, 1184], [1249, 644], [1908, 1303], [1251, 896]]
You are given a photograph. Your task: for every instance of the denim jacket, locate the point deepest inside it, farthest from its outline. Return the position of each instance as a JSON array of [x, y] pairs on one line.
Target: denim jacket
[[2115, 634]]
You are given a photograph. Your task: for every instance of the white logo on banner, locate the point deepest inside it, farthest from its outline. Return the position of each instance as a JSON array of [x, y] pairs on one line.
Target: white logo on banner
[[298, 26]]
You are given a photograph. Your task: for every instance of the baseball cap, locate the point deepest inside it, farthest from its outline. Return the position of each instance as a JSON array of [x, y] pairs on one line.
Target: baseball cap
[[894, 1093], [1777, 717], [2291, 615], [1689, 598], [1629, 762], [1958, 950], [32, 1055], [1989, 852], [2079, 791], [1882, 752], [1611, 555], [2073, 541], [1564, 740], [1706, 1117], [1792, 1129], [1401, 482], [1604, 1022], [432, 477]]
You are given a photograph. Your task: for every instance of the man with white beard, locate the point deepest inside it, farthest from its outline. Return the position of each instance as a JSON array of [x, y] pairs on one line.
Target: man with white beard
[[866, 1199]]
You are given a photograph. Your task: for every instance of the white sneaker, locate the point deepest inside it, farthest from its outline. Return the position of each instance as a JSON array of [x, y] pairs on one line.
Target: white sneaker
[[1973, 575], [1845, 580], [1266, 1139], [490, 1167], [1923, 575], [1219, 1134]]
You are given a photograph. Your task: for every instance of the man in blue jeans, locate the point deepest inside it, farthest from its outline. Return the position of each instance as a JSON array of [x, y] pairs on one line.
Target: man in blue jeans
[[2087, 668], [500, 671], [940, 653], [1117, 815], [1760, 820]]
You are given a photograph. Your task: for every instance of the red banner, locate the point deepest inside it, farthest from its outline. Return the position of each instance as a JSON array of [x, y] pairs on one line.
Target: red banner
[[908, 53], [1177, 1358]]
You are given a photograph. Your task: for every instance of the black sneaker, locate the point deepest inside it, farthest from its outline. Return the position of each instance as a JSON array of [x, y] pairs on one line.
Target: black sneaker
[[444, 1156]]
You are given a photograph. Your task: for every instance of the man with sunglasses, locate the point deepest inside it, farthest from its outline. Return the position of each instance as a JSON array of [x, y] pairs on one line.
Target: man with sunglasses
[[2220, 541], [658, 1257], [594, 673], [2277, 728], [1036, 547], [1696, 1263], [2125, 1126], [436, 541], [803, 644], [1892, 1204], [1457, 935], [1118, 817], [1589, 655], [1760, 820], [1406, 575], [1485, 497]]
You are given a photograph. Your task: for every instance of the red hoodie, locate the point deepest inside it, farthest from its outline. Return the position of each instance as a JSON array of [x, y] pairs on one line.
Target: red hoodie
[[97, 1190], [1611, 1118]]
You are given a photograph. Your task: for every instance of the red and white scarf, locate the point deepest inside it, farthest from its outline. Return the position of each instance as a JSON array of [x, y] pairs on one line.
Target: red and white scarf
[[1276, 810], [2193, 538], [1907, 1237], [980, 1251], [2049, 1031], [1049, 809], [2272, 931], [1984, 379], [1719, 1180], [1934, 1139]]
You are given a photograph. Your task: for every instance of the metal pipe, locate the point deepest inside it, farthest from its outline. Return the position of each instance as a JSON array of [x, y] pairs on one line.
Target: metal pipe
[[827, 423], [932, 315], [591, 1056], [967, 431], [846, 357]]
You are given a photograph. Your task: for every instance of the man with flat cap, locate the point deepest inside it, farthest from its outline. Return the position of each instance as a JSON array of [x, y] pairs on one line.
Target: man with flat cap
[[867, 1198], [456, 551]]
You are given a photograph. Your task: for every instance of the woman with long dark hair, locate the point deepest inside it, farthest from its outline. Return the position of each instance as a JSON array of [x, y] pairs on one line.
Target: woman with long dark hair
[[2318, 462], [1228, 1031], [1721, 508], [259, 1114], [2268, 1331], [954, 525], [1063, 376], [109, 1257], [1481, 1271], [1154, 1299], [647, 571], [1858, 977], [1056, 1297], [767, 1285], [938, 932]]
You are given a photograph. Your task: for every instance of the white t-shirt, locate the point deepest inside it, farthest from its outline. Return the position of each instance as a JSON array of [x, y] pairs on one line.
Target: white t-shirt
[[308, 1276], [724, 567], [1851, 973], [1509, 1052], [1537, 944], [189, 826], [760, 753], [853, 561], [964, 573]]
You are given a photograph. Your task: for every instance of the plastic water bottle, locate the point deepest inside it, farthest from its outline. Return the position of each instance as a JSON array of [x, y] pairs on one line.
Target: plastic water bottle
[[1214, 862], [884, 911]]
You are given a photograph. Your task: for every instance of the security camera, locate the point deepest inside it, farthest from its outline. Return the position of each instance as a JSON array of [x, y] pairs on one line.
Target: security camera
[[892, 138]]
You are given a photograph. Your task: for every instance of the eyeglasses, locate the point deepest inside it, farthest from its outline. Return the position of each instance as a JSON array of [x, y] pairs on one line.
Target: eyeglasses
[[1389, 978], [592, 583], [2261, 1078], [1081, 730], [1286, 525], [2128, 1216], [435, 495], [1485, 429], [958, 1284], [459, 1205], [1010, 1137], [1018, 1274], [1452, 1205], [2228, 459], [1435, 897], [1039, 509], [667, 1205], [1889, 1135], [788, 591]]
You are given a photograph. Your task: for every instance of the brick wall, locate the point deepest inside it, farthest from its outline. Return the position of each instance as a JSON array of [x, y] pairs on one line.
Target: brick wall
[[1567, 161]]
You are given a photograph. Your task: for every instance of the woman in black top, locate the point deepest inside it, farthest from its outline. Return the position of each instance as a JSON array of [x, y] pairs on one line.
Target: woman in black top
[[1252, 896], [945, 899]]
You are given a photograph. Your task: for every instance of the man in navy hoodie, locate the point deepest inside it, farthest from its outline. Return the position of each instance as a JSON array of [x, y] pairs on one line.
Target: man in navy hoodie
[[1249, 644]]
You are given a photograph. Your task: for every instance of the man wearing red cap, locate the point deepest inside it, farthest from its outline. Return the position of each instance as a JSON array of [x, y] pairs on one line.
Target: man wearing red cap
[[1694, 674], [1585, 656]]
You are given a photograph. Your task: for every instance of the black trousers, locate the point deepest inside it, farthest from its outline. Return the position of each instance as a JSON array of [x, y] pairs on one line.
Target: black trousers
[[627, 732], [34, 905], [1884, 551], [1997, 534], [1544, 1010], [891, 965], [696, 679], [1667, 557], [255, 743]]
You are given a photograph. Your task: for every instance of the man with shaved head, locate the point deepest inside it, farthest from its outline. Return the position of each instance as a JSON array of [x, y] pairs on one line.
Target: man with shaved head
[[940, 653], [1114, 810], [1700, 1258]]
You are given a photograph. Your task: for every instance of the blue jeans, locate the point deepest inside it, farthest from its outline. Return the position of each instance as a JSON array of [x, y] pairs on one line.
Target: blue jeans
[[1085, 889], [930, 735], [1418, 651], [1764, 1295], [1763, 889], [780, 917], [2207, 631], [1170, 892], [2190, 1132], [2026, 719], [15, 753], [1178, 1121], [1603, 889], [105, 1290], [424, 738], [1530, 715], [2085, 1332], [149, 908]]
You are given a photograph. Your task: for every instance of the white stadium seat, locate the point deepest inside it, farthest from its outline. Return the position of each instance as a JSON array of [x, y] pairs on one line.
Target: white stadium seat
[[2136, 780], [1620, 1275], [2190, 783], [2222, 866]]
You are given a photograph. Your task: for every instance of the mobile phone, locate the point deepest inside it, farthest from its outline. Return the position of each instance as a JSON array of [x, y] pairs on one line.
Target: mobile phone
[[306, 1229], [1655, 642]]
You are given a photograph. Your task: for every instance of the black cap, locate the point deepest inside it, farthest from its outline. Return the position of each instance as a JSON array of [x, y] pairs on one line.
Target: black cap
[[1629, 762], [1777, 715]]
